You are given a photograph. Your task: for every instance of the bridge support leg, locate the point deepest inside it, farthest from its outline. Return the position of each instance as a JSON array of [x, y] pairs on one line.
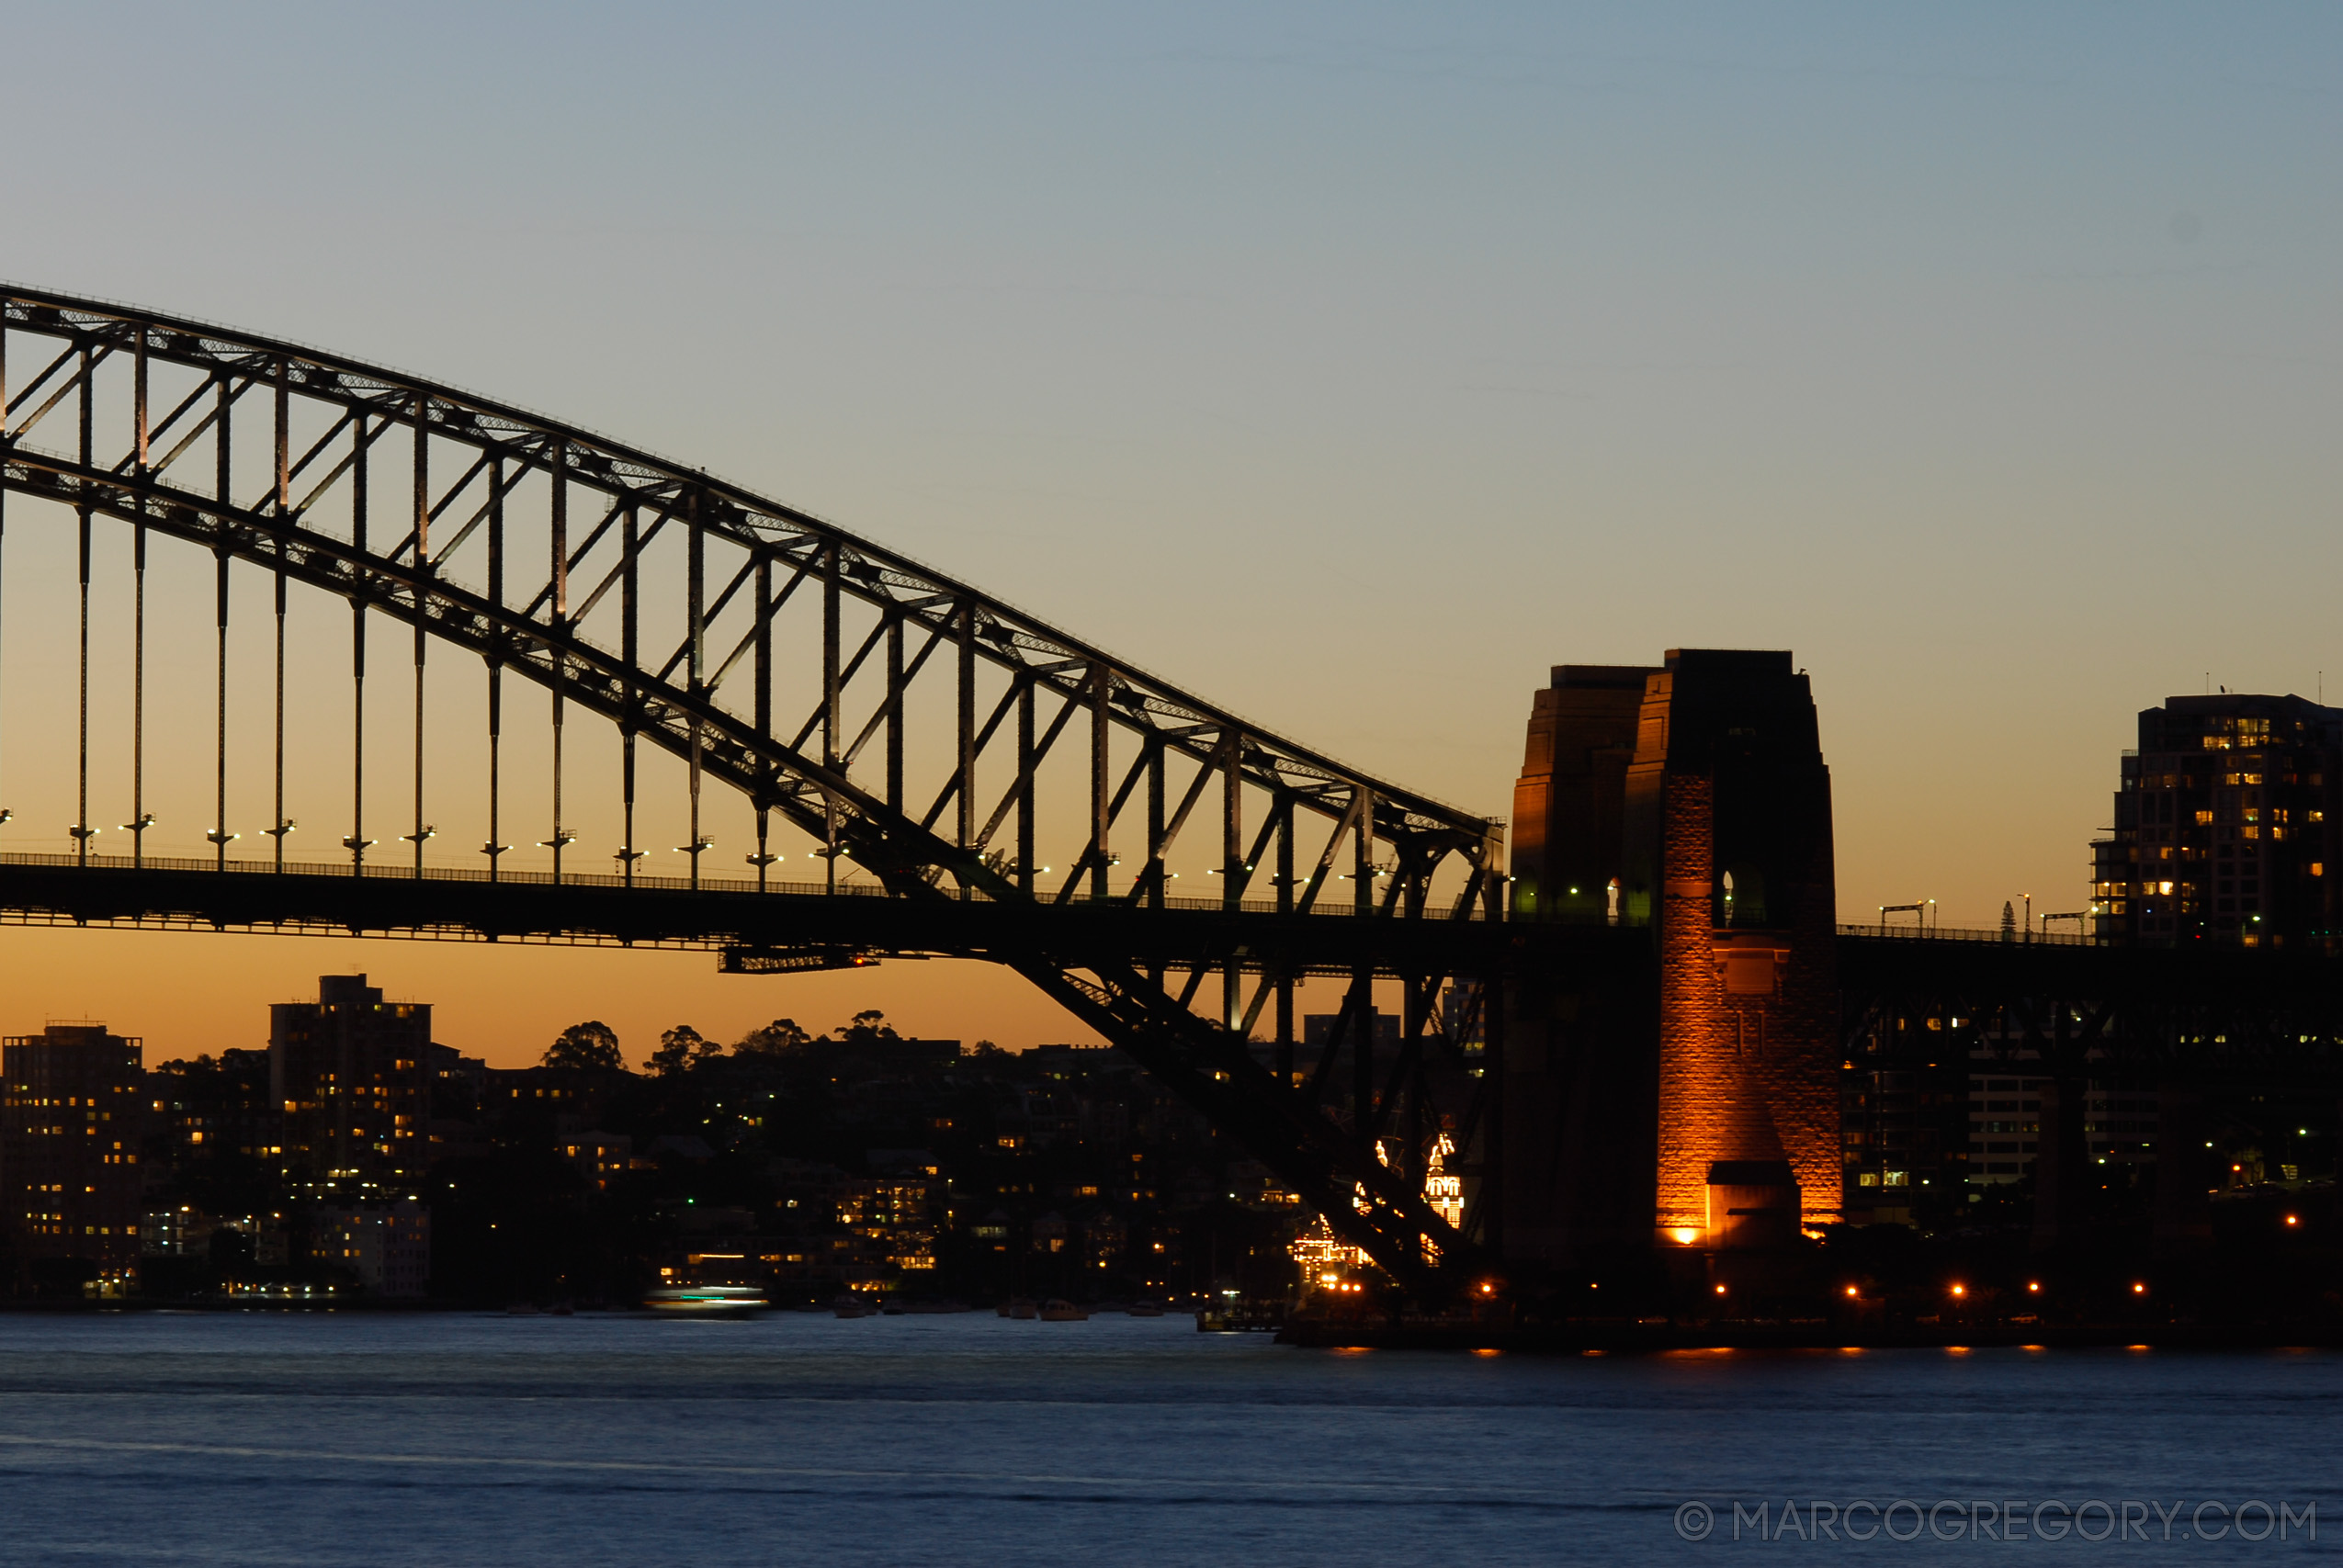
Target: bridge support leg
[[1492, 1116], [82, 830], [1286, 1031], [494, 848], [2061, 1153], [2183, 1175]]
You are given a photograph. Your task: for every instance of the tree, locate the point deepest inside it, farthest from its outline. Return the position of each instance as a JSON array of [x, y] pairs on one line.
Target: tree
[[778, 1038], [868, 1028], [682, 1047], [590, 1044]]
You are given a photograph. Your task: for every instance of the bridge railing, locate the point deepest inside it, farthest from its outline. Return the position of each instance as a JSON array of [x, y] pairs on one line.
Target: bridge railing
[[383, 871], [1968, 933]]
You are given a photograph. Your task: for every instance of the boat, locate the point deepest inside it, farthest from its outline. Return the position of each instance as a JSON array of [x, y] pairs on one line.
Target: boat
[[1057, 1311], [1240, 1317], [851, 1305], [1020, 1308], [704, 1301], [1145, 1309]]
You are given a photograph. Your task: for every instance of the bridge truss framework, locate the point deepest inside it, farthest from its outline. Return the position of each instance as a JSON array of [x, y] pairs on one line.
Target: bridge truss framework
[[674, 607]]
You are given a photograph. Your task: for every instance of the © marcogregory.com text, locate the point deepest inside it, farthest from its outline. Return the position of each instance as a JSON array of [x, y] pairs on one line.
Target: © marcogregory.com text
[[2015, 1519]]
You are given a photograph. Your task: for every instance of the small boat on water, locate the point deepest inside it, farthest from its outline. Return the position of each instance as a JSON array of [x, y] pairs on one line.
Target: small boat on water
[[1240, 1317], [852, 1305], [1057, 1311], [1145, 1309], [1018, 1307], [704, 1301]]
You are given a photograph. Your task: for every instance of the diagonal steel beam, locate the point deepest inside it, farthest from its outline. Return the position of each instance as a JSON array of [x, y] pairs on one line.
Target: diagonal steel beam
[[1156, 852], [64, 358], [760, 627], [628, 562], [892, 706], [684, 649], [155, 432], [952, 786], [1029, 767]]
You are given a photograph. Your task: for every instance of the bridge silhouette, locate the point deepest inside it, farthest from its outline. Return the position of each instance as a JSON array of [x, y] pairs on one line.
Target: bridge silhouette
[[967, 779]]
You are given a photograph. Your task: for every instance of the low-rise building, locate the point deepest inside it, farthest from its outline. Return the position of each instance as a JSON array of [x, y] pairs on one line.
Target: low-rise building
[[600, 1157], [387, 1246], [188, 1232]]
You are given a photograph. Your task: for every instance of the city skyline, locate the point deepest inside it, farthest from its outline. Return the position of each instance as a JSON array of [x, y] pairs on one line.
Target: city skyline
[[856, 783], [1944, 412]]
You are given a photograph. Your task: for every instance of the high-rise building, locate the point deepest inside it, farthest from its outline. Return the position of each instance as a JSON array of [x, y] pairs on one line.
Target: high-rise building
[[69, 1144], [351, 1073], [2227, 827], [209, 1108]]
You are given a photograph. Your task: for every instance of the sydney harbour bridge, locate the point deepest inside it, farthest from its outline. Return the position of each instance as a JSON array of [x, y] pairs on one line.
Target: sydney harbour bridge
[[964, 781]]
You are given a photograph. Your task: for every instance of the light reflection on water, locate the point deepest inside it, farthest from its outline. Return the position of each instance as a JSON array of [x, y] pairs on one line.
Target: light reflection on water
[[321, 1440]]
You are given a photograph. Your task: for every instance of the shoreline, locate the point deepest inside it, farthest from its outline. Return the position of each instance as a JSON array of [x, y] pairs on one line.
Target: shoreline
[[1660, 1338]]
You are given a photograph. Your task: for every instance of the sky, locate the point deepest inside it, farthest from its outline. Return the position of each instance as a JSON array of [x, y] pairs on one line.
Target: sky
[[1347, 366]]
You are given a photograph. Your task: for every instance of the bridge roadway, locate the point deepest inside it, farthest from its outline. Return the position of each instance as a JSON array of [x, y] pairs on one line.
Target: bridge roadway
[[800, 925], [804, 920], [1984, 968]]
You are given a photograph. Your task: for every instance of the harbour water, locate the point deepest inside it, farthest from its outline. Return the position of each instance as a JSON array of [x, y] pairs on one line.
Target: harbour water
[[439, 1439]]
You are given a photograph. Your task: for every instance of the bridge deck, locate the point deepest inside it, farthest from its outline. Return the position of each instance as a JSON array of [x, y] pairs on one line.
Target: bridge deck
[[668, 912], [531, 907], [1984, 972]]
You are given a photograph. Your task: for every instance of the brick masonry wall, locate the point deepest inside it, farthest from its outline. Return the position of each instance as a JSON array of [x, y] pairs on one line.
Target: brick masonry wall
[[1741, 1078], [1800, 1077], [1699, 1091]]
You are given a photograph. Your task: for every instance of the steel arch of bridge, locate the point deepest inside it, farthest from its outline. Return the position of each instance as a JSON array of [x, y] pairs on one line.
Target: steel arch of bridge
[[473, 465]]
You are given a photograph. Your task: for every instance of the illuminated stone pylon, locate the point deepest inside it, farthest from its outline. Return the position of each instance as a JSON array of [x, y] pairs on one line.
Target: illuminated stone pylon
[[1707, 827]]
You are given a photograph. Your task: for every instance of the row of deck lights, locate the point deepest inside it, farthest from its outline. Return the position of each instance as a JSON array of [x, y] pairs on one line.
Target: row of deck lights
[[1959, 1292]]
